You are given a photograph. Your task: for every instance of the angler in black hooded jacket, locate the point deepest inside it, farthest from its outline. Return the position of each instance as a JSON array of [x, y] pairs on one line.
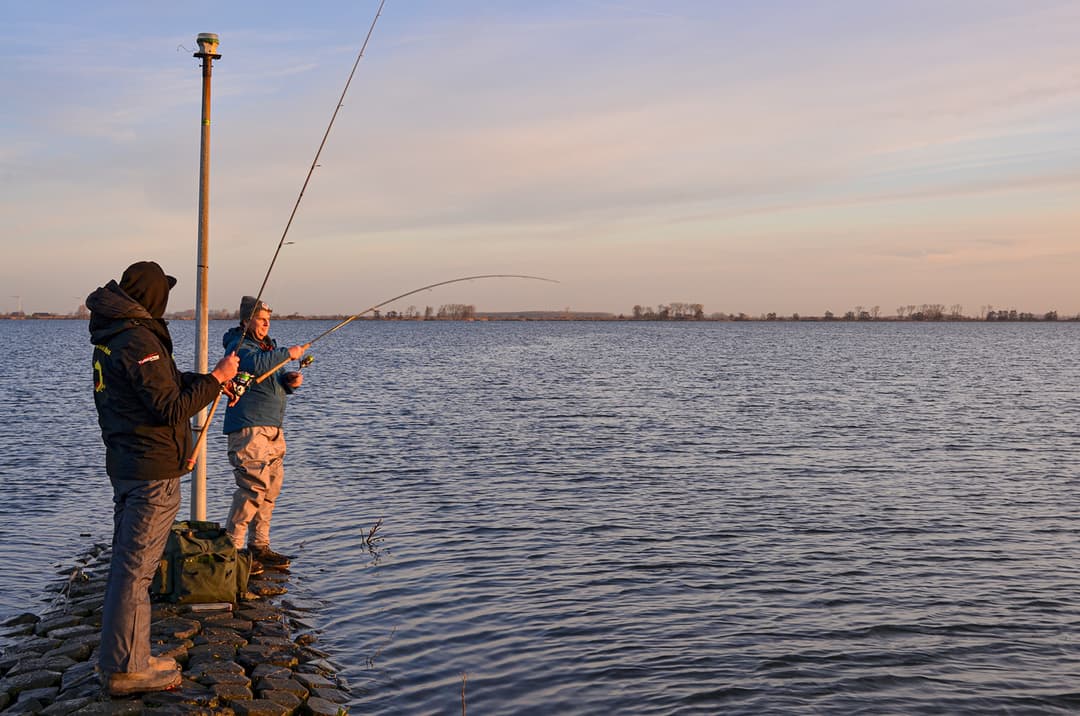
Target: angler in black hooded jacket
[[144, 404]]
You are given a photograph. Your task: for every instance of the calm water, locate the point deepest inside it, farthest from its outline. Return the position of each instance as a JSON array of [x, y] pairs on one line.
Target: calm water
[[628, 518]]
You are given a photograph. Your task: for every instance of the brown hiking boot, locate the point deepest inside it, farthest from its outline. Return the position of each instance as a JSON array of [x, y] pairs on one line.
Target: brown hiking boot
[[269, 557], [137, 682]]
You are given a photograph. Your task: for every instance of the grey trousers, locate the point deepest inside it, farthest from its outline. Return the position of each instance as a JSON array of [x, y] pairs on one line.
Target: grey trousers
[[143, 512], [257, 456]]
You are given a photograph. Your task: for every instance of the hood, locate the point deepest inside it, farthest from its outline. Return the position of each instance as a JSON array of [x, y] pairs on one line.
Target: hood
[[112, 311], [145, 282], [231, 337]]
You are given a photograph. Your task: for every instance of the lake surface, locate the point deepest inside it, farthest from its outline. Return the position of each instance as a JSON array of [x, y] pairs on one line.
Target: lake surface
[[596, 518]]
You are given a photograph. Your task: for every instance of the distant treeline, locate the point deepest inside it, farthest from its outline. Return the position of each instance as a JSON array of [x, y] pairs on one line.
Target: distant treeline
[[911, 312], [675, 311]]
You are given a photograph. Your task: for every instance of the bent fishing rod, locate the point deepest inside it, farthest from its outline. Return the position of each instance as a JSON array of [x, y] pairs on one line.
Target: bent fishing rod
[[314, 163], [318, 153], [377, 306], [341, 324]]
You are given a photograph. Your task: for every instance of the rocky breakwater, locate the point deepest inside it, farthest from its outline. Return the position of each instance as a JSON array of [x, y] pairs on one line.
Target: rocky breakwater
[[255, 657]]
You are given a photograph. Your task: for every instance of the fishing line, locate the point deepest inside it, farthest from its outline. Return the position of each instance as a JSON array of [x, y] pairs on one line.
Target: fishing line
[[377, 306], [314, 163]]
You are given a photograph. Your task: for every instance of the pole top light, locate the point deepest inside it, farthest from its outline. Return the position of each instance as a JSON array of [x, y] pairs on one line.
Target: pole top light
[[208, 44]]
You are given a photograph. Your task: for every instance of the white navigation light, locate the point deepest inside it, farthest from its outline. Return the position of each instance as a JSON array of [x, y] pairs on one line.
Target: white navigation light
[[208, 44]]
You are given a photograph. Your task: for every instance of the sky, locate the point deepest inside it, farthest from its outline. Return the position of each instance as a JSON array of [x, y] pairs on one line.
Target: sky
[[752, 156]]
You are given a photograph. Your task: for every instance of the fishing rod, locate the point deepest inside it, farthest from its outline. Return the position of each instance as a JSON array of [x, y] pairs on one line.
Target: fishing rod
[[314, 163], [377, 306], [318, 153]]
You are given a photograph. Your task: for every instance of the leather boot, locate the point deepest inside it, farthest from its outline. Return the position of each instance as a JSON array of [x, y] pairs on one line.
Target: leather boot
[[136, 682]]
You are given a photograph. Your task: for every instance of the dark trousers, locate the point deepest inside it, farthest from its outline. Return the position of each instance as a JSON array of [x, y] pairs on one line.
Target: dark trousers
[[143, 512]]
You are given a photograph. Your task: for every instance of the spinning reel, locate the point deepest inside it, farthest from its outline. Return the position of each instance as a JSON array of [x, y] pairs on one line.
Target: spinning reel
[[241, 382]]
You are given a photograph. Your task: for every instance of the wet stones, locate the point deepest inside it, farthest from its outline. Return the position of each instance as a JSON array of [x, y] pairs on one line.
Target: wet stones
[[242, 661]]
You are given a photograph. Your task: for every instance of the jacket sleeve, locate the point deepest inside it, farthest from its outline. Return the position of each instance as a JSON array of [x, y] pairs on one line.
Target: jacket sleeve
[[257, 361], [169, 396]]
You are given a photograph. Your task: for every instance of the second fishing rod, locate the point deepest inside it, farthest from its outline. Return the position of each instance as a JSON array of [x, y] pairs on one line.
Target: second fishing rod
[[244, 381], [201, 439]]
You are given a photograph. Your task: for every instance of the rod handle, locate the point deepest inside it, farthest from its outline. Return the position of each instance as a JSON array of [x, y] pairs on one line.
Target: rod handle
[[190, 464]]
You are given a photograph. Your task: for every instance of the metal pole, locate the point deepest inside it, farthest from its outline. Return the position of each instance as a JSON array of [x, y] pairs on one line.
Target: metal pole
[[208, 43]]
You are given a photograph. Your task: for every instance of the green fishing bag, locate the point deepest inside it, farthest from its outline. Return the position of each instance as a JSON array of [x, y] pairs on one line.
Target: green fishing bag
[[200, 565]]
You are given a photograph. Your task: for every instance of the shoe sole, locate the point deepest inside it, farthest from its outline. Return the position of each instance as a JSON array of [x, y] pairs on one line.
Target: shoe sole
[[137, 689]]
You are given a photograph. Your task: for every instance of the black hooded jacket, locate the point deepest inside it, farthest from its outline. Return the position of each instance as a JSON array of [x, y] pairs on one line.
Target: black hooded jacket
[[144, 402]]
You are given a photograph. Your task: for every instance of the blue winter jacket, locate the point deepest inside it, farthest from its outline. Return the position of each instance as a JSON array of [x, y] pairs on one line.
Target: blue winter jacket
[[264, 403]]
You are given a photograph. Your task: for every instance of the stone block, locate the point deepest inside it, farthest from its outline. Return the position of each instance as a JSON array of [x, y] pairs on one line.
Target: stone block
[[299, 622], [190, 695], [289, 700], [214, 678], [209, 668], [259, 614], [37, 645], [322, 707], [276, 628], [226, 620], [86, 605], [15, 685], [318, 666], [84, 589], [78, 649], [211, 652], [78, 676], [232, 692], [268, 590], [278, 642], [314, 681], [111, 707], [24, 618], [269, 671], [71, 632], [7, 662], [252, 655], [174, 628], [216, 635], [42, 696], [19, 630], [65, 706], [58, 663], [336, 695], [43, 627], [26, 706], [312, 653], [259, 707], [291, 685]]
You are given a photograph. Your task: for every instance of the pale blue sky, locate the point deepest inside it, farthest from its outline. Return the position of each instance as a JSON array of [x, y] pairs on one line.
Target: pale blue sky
[[750, 156]]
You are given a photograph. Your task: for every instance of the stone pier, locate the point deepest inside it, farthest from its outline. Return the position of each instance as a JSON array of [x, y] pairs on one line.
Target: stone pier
[[257, 657]]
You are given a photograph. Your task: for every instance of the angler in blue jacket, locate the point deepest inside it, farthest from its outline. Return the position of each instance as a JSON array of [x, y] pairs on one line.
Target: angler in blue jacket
[[254, 429]]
